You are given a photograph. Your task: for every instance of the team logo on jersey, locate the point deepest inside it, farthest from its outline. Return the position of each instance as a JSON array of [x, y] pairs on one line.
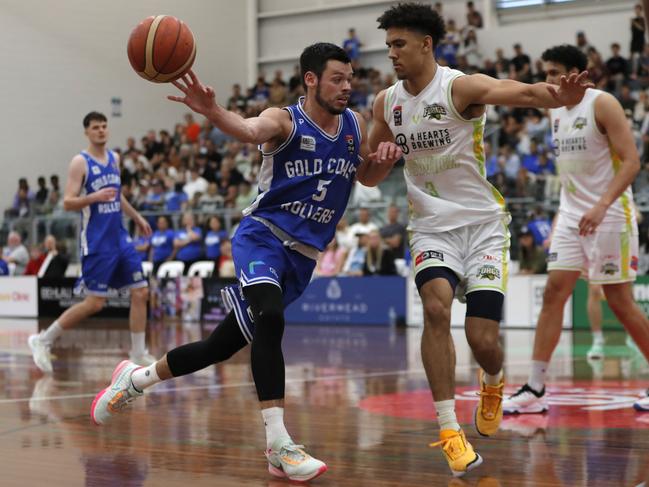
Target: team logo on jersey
[[429, 254], [488, 272], [402, 142], [396, 114], [307, 143], [95, 170], [556, 124], [610, 269], [580, 123], [634, 263], [350, 143], [434, 111]]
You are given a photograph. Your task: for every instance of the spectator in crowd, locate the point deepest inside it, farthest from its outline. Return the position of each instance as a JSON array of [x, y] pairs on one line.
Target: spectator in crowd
[[56, 259], [195, 184], [379, 260], [188, 241], [176, 200], [213, 238], [54, 183], [473, 17], [532, 257], [363, 195], [155, 198], [511, 164], [211, 201], [364, 225], [4, 268], [142, 245], [41, 194], [237, 101], [225, 262], [260, 92], [344, 235], [331, 261], [470, 49], [22, 201], [597, 71], [192, 129], [352, 45], [162, 243], [540, 226], [245, 196], [36, 258], [394, 233], [277, 94], [626, 98], [617, 68], [582, 43], [522, 64], [637, 35], [16, 253], [356, 257]]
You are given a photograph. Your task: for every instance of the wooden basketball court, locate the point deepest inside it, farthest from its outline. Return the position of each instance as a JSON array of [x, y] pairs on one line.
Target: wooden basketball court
[[357, 397]]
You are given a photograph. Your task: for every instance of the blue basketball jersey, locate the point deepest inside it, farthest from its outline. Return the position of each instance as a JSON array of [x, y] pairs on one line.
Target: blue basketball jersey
[[304, 184], [102, 229]]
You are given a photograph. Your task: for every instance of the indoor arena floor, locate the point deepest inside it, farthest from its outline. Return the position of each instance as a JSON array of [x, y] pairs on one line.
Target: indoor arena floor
[[356, 396]]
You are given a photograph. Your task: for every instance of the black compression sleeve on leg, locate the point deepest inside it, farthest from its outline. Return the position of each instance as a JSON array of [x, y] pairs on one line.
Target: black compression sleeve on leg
[[266, 358], [225, 341], [485, 304]]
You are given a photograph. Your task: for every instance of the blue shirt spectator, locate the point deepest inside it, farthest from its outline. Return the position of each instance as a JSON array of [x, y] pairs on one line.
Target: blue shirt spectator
[[213, 239], [352, 45], [162, 241], [175, 200], [540, 228], [142, 245], [4, 268], [188, 240]]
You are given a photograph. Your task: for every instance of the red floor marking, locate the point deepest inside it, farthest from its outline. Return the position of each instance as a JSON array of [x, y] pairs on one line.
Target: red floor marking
[[591, 405]]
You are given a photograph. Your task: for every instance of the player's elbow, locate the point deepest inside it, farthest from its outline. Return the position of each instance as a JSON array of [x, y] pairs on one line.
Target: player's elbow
[[67, 204]]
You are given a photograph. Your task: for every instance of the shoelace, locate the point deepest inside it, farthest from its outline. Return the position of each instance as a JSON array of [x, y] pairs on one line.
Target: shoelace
[[491, 398], [293, 452], [448, 446], [121, 401]]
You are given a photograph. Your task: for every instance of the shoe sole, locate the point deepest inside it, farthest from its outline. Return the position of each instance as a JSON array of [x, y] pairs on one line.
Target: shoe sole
[[116, 372], [278, 472], [32, 348], [474, 464], [513, 412], [475, 424], [641, 409]]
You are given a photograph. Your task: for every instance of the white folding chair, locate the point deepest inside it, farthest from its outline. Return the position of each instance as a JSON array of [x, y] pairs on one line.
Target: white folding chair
[[170, 269], [202, 268], [147, 268], [73, 270]]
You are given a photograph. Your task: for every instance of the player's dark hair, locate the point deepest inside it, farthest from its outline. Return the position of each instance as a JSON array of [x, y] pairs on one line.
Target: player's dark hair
[[93, 117], [416, 17], [566, 55], [315, 57]]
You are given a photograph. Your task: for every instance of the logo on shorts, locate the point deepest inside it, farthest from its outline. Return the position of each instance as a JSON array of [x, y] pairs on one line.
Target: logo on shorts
[[396, 113], [490, 258], [434, 111], [429, 254], [273, 272], [307, 143], [350, 143], [137, 276], [488, 272], [552, 257], [634, 263], [580, 123], [610, 269], [251, 266]]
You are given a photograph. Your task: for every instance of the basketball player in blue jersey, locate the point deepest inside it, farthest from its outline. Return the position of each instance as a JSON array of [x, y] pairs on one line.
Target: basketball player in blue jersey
[[108, 256], [312, 153]]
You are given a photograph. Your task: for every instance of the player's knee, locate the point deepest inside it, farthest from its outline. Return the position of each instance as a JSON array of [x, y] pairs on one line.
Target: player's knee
[[483, 343], [619, 299], [95, 304], [140, 294], [436, 313], [555, 293]]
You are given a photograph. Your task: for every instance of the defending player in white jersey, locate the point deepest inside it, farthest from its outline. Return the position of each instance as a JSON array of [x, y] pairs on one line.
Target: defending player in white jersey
[[457, 219], [596, 233]]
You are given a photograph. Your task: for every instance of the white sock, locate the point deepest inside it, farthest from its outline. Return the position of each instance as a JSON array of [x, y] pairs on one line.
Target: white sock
[[493, 380], [145, 377], [598, 337], [274, 422], [52, 333], [137, 343], [446, 415], [537, 375]]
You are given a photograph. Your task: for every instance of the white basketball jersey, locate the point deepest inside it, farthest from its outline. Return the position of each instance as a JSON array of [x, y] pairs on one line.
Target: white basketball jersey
[[587, 164], [444, 153]]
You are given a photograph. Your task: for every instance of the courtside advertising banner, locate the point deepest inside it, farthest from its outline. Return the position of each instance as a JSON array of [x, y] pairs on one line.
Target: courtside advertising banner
[[19, 296]]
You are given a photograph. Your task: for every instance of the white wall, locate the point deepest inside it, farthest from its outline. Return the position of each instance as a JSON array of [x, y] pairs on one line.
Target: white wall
[[63, 59]]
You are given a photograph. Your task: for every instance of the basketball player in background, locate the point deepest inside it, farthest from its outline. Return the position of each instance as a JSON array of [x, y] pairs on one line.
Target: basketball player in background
[[108, 256], [596, 232], [312, 153], [457, 219]]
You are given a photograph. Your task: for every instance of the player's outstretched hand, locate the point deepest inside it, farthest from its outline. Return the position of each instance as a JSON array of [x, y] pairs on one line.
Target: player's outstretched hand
[[591, 219], [144, 227], [105, 195], [386, 153], [571, 88], [198, 97]]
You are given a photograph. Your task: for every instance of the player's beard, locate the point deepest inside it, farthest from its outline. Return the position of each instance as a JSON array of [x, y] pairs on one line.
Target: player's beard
[[326, 105]]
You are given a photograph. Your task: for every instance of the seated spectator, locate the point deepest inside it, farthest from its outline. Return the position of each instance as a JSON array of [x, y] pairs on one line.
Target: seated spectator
[[540, 227], [155, 199], [162, 243], [394, 233], [212, 200], [356, 257], [246, 196], [56, 259], [16, 253], [344, 237], [36, 259], [188, 241], [532, 258], [195, 184], [177, 199], [473, 17], [192, 128], [331, 261], [530, 160], [142, 245], [363, 225], [41, 194], [522, 64], [213, 238], [379, 260], [225, 263]]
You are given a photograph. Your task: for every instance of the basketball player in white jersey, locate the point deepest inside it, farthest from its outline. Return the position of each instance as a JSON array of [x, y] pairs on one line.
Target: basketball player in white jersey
[[458, 221], [596, 232]]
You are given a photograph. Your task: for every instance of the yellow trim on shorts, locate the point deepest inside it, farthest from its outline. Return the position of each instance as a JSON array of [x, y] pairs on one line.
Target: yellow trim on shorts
[[619, 281], [486, 288]]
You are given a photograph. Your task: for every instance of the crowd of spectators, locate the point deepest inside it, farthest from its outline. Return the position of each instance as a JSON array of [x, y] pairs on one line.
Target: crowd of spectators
[[198, 171]]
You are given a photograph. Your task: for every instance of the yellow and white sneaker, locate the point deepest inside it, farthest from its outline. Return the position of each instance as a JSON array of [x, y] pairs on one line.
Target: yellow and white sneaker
[[458, 451], [288, 460], [489, 412]]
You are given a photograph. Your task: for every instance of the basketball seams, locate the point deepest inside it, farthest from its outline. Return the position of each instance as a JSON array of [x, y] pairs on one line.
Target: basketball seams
[[171, 54], [149, 68]]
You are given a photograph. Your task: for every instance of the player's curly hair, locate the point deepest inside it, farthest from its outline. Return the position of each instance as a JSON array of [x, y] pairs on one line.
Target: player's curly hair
[[414, 16], [566, 55]]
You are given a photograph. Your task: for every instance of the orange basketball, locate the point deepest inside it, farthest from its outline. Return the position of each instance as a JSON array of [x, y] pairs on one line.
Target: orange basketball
[[161, 48]]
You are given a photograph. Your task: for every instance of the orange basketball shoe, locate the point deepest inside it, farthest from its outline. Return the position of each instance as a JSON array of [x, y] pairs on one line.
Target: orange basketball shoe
[[458, 451], [489, 412]]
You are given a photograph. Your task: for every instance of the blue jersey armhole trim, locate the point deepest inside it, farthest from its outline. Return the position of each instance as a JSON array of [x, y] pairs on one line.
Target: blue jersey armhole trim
[[288, 140], [357, 127]]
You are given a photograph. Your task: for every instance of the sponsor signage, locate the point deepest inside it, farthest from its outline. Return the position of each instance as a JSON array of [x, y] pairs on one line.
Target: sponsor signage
[[19, 296]]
